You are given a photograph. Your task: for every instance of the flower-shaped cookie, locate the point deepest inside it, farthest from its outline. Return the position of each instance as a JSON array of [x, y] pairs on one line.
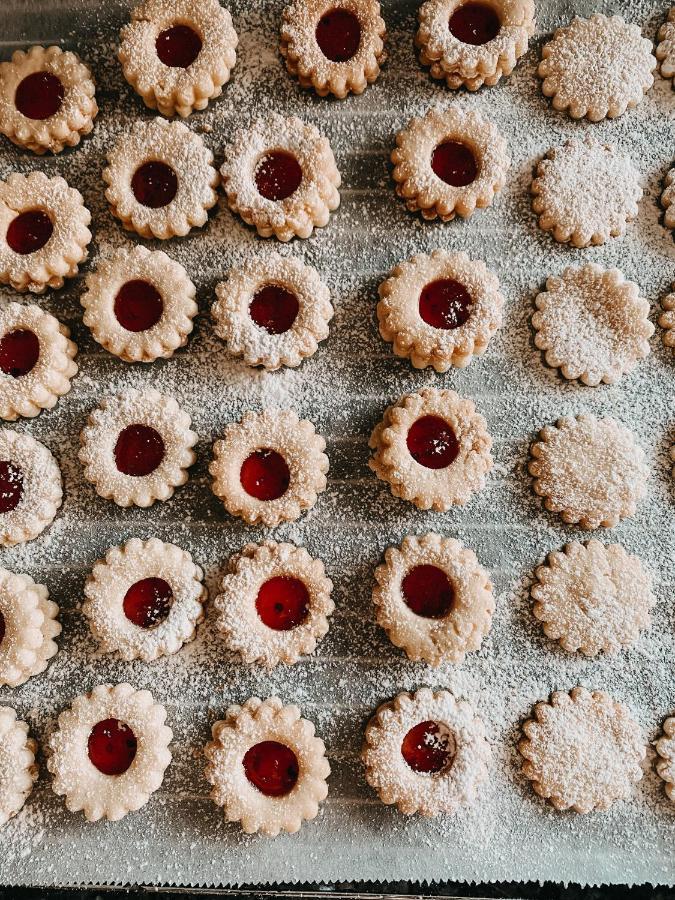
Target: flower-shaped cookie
[[470, 43], [582, 750], [272, 311], [139, 304], [280, 176], [665, 50], [144, 600], [18, 769], [267, 767], [585, 192], [43, 231], [335, 48], [46, 99], [36, 361], [668, 200], [665, 747], [432, 448], [178, 55], [161, 179], [269, 468], [597, 67], [440, 310], [667, 319], [426, 752], [589, 470], [433, 598], [30, 487], [593, 597], [109, 752], [28, 627], [592, 324]]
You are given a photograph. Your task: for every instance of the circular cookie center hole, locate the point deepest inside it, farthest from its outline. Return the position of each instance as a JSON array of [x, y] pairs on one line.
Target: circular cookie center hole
[[454, 163], [278, 175], [138, 305], [139, 450], [272, 768], [427, 592], [11, 486], [29, 231], [19, 351], [445, 304], [39, 95], [154, 184], [111, 746], [282, 603], [274, 308], [432, 442], [428, 748], [338, 35], [265, 475], [474, 23], [147, 603], [178, 46]]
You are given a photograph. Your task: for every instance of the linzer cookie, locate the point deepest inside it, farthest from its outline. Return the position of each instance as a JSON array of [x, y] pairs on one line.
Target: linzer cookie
[[18, 769]]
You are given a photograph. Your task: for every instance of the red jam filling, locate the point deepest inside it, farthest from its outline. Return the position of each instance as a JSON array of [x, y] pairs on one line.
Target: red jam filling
[[139, 450], [138, 305], [19, 351], [272, 768], [338, 35], [274, 308], [454, 163], [427, 592], [474, 23], [265, 475], [445, 304], [112, 746], [282, 603], [154, 184], [428, 748], [2, 628], [148, 602], [278, 175], [39, 95], [11, 486], [432, 442], [29, 231], [178, 47]]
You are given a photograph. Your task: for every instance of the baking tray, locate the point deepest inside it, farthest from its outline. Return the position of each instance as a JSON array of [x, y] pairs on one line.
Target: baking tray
[[180, 836]]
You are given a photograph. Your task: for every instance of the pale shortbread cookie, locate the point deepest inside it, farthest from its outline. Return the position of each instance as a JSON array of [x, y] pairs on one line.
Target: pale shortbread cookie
[[585, 192], [439, 769], [665, 50], [144, 600], [274, 603], [267, 767], [280, 176], [178, 54], [582, 750], [668, 200], [597, 67], [471, 44], [465, 148], [592, 324], [665, 747], [269, 467], [43, 231], [136, 447], [30, 487], [161, 179], [18, 769], [139, 304], [440, 310], [432, 448], [589, 470], [29, 626], [36, 361], [593, 597], [433, 598], [667, 319], [334, 48], [47, 99], [272, 311], [109, 752]]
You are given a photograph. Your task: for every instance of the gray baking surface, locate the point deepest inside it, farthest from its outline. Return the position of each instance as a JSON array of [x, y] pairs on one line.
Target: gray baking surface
[[180, 836]]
